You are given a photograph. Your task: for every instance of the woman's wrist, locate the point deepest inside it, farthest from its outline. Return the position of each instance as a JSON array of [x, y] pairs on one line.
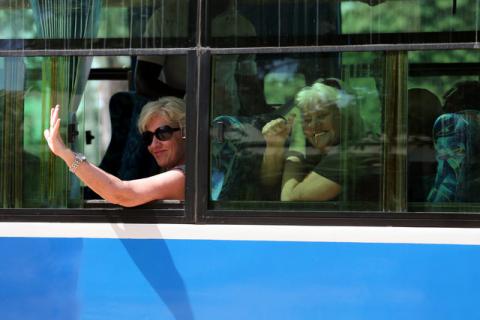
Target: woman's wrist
[[275, 147], [66, 155], [293, 155]]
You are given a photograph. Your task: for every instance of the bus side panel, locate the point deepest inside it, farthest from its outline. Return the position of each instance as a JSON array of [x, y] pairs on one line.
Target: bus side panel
[[191, 279], [39, 278]]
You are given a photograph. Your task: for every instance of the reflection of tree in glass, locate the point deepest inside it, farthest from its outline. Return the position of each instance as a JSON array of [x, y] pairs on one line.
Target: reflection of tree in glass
[[281, 87], [407, 16]]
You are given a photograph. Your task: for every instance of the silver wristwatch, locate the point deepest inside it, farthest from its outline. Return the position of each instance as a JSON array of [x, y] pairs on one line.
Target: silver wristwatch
[[79, 158]]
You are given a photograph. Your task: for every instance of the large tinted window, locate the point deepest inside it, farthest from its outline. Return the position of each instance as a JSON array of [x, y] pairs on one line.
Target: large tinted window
[[85, 24], [297, 128], [443, 128], [305, 22], [412, 146]]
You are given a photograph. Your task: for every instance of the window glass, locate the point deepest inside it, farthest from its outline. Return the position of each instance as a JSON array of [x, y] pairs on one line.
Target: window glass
[[98, 118], [80, 24], [443, 124], [297, 130], [29, 86], [93, 117], [304, 22], [386, 16]]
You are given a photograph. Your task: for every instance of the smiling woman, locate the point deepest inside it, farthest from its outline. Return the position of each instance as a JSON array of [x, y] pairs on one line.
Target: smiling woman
[[166, 145], [320, 143], [320, 125], [162, 124]]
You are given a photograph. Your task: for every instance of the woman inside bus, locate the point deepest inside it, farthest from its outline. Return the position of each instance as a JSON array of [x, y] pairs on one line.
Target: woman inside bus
[[162, 124], [313, 130]]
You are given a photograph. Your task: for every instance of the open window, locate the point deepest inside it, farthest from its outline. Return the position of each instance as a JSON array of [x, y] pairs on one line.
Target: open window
[[99, 113]]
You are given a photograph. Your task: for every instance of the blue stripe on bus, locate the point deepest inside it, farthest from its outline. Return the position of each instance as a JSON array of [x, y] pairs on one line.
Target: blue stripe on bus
[[185, 279]]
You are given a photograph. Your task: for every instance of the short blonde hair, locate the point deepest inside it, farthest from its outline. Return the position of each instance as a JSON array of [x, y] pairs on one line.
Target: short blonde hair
[[317, 94], [171, 108], [341, 101]]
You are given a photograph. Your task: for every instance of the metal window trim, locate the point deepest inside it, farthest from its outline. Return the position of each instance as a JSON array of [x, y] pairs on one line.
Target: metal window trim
[[344, 218], [203, 157], [192, 111], [242, 50], [196, 207]]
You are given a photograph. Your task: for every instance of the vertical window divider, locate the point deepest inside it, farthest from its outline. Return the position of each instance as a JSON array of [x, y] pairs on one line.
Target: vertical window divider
[[202, 136], [394, 197], [192, 136]]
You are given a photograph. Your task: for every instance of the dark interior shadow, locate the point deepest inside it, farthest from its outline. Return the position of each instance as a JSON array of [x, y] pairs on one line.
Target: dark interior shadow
[[153, 259]]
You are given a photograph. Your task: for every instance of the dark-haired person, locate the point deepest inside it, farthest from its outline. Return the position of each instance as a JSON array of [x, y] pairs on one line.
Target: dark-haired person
[[162, 125]]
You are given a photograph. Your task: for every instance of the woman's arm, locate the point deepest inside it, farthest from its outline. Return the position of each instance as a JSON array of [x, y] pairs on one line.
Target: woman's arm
[[312, 187], [298, 185], [275, 133], [168, 185]]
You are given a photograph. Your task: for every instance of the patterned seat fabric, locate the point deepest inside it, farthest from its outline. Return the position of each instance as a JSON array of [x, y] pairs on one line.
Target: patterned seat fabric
[[457, 146]]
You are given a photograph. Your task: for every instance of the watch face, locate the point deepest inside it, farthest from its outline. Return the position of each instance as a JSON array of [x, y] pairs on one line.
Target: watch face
[[80, 157]]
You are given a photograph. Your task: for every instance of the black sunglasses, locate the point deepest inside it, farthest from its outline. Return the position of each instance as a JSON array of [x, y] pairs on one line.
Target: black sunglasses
[[162, 133]]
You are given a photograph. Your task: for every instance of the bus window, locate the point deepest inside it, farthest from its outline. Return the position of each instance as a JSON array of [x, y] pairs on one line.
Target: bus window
[[269, 22], [326, 130], [333, 22], [95, 122], [30, 177], [408, 16], [443, 170], [87, 24], [93, 114]]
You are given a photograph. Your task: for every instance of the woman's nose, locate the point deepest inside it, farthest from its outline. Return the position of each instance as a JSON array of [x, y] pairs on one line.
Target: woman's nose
[[314, 123], [156, 141]]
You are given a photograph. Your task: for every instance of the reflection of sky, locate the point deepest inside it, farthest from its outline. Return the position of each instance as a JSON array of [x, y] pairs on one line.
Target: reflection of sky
[[38, 278], [12, 74], [112, 287], [285, 66], [275, 280]]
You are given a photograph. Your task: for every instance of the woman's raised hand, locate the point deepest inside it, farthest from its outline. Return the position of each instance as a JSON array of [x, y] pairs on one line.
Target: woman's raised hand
[[277, 131], [52, 134]]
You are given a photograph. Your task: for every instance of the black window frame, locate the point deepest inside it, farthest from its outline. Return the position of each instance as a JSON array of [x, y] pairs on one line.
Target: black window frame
[[330, 218], [159, 212], [195, 208]]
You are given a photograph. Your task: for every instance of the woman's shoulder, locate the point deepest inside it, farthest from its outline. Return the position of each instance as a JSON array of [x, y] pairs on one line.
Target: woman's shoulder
[[180, 167]]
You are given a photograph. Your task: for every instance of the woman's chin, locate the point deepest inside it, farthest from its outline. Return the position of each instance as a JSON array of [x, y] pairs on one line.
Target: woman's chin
[[322, 141], [162, 163]]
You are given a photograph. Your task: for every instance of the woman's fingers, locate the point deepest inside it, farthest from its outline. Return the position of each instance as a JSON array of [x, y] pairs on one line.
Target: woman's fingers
[[291, 120], [54, 115], [52, 110], [275, 127], [56, 128], [52, 134]]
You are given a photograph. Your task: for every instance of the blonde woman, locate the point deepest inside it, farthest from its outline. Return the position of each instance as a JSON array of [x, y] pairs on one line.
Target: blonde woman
[[162, 124], [314, 129]]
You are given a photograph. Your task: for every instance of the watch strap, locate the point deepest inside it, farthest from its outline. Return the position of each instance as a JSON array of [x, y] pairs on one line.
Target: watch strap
[[79, 158]]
